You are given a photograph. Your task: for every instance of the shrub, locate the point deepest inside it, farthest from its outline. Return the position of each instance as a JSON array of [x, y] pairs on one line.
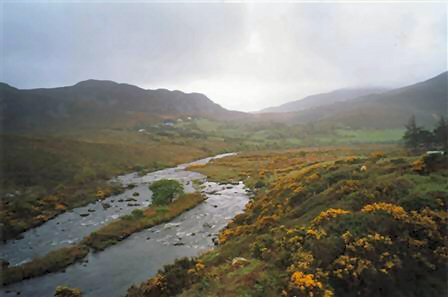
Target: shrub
[[302, 284], [62, 291], [377, 155], [260, 184], [260, 248], [170, 281], [165, 191], [138, 213], [435, 162]]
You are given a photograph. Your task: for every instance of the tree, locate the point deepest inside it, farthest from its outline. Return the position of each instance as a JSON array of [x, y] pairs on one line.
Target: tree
[[412, 135], [441, 133], [425, 138], [165, 191]]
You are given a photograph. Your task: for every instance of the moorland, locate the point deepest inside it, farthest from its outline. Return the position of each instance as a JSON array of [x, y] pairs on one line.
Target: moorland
[[344, 205]]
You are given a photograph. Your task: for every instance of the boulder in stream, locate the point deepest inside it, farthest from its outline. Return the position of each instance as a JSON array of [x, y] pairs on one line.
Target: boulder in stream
[[133, 204], [206, 225]]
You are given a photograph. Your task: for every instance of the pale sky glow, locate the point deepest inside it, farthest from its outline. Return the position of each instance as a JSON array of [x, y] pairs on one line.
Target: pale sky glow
[[244, 56]]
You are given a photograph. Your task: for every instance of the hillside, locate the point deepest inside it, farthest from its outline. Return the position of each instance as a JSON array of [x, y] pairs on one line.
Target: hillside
[[99, 104], [324, 222], [427, 100], [323, 99]]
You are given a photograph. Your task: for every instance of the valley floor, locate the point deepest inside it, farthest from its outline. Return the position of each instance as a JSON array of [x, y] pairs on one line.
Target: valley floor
[[197, 221]]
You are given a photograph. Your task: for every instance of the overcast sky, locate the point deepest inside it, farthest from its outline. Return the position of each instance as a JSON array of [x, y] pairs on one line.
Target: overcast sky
[[244, 56]]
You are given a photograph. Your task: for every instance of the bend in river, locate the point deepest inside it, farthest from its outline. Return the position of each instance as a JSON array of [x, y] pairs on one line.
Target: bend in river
[[111, 272], [72, 226]]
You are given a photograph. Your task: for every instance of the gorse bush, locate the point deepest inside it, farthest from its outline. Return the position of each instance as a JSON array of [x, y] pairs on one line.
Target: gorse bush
[[62, 291], [324, 227], [169, 281], [165, 191]]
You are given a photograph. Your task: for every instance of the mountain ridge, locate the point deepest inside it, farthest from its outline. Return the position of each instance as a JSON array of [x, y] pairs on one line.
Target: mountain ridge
[[102, 103], [427, 100], [322, 99]]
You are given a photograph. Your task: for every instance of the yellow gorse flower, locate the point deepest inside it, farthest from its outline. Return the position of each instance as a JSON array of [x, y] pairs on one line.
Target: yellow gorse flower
[[330, 214], [396, 211], [304, 281]]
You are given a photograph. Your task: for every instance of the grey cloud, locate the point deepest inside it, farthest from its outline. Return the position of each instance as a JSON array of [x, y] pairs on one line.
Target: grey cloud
[[243, 56]]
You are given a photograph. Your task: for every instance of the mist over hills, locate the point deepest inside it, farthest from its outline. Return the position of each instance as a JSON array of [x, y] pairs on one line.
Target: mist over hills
[[427, 100], [101, 103], [322, 99]]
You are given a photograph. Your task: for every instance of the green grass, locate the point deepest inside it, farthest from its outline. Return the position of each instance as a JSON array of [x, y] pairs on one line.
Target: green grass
[[371, 135]]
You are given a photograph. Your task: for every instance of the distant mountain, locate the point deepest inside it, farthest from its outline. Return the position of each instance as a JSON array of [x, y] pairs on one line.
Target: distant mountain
[[323, 99], [97, 103], [427, 100]]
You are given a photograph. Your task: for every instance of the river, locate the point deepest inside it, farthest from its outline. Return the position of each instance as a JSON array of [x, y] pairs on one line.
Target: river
[[112, 271]]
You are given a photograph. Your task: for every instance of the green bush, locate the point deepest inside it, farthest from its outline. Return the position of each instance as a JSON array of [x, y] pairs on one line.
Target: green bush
[[165, 191]]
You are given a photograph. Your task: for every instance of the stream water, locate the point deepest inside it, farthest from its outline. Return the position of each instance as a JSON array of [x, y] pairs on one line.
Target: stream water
[[112, 271]]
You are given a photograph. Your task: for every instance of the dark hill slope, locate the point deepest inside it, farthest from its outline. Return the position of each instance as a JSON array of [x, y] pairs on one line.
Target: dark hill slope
[[94, 103], [323, 99], [426, 100]]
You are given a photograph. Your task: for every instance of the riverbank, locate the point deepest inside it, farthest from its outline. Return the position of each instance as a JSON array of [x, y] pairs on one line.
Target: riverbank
[[339, 222], [44, 177], [139, 220], [144, 253], [101, 239], [23, 211]]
